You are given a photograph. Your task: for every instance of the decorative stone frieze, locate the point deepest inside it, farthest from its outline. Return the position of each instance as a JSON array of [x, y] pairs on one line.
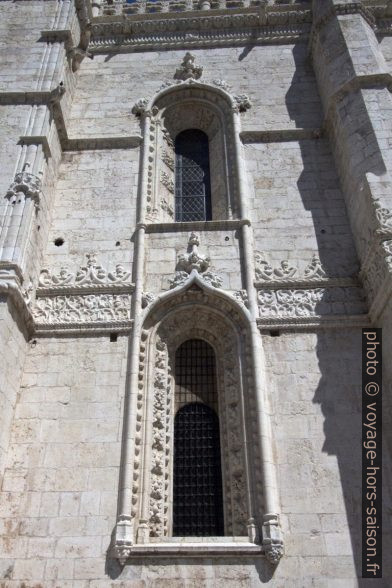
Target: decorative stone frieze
[[290, 303], [90, 308], [161, 444], [237, 26], [188, 70], [90, 275]]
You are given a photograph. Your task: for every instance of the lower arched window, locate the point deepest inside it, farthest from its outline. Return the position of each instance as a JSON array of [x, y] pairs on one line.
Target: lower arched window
[[192, 181], [197, 483]]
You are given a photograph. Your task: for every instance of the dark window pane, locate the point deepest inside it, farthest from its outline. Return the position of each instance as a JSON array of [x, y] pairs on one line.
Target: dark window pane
[[193, 189], [197, 488]]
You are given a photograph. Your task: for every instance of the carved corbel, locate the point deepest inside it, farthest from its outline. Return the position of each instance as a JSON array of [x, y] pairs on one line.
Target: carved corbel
[[28, 184], [272, 538]]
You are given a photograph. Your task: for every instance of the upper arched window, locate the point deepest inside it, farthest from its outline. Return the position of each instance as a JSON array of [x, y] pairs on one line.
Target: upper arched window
[[192, 180], [197, 480]]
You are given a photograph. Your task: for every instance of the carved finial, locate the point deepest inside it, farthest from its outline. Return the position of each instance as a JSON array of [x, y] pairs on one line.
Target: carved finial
[[193, 259], [188, 70]]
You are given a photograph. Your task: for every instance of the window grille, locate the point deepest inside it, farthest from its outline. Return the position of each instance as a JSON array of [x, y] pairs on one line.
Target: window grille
[[197, 486], [193, 186]]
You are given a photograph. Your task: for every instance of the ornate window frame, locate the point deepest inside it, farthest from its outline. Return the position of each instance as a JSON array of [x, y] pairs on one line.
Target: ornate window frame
[[194, 309]]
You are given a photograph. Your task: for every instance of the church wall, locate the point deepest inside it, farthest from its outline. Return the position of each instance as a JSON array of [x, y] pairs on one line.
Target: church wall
[[95, 208], [297, 207], [278, 80], [12, 354], [314, 384], [60, 488], [223, 247], [21, 50], [59, 493]]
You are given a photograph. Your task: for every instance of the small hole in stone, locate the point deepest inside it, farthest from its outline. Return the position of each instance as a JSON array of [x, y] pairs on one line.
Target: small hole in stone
[[113, 337], [117, 243], [322, 231], [227, 238], [33, 343], [59, 241], [275, 333], [39, 227]]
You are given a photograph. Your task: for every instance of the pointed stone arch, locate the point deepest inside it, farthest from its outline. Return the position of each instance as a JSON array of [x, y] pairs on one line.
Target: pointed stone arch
[[180, 106], [195, 310]]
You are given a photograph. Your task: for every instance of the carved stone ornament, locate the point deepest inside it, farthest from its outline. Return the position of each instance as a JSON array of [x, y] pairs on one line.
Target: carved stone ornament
[[315, 270], [140, 106], [264, 271], [193, 259], [147, 298], [242, 102], [241, 296], [91, 308], [272, 538], [291, 303], [188, 69], [27, 183], [91, 274], [384, 215], [167, 182], [285, 272]]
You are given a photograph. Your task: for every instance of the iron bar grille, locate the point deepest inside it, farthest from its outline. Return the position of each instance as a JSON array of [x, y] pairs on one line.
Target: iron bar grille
[[192, 187], [197, 485]]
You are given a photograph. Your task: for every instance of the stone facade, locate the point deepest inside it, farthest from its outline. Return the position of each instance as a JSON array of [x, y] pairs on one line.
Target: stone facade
[[99, 285]]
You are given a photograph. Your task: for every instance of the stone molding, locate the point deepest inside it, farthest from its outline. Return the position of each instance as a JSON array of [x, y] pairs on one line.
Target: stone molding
[[280, 135], [147, 106], [183, 227], [237, 26]]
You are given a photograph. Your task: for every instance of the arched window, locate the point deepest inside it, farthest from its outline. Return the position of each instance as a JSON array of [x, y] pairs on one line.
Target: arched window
[[192, 180], [197, 480]]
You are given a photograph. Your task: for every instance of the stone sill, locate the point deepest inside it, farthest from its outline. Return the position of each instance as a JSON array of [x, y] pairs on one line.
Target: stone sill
[[197, 546], [214, 225]]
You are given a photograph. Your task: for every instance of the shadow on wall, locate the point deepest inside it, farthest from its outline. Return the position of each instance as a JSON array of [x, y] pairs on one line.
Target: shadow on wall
[[340, 403]]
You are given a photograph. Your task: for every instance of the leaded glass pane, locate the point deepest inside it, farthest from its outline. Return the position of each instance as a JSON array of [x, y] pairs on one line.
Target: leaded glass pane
[[193, 189]]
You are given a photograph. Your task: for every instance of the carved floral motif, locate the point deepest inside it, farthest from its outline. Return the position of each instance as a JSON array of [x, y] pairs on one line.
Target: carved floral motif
[[81, 309], [167, 182], [160, 444], [88, 275], [311, 302]]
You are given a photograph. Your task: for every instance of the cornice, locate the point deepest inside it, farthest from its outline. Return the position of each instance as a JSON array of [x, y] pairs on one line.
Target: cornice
[[280, 136], [195, 28], [313, 323], [86, 329], [303, 284], [177, 227]]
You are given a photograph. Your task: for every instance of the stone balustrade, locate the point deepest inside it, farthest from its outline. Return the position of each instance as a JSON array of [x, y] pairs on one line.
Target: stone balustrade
[[116, 7]]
